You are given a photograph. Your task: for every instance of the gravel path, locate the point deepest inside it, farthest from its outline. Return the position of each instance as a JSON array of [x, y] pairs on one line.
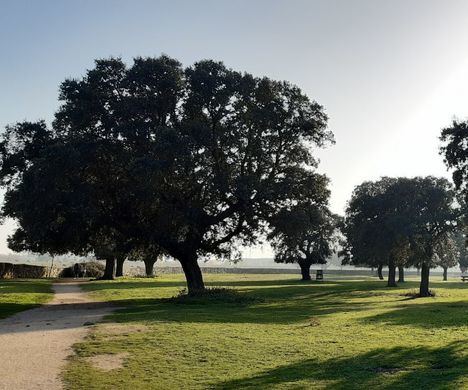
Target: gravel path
[[34, 344]]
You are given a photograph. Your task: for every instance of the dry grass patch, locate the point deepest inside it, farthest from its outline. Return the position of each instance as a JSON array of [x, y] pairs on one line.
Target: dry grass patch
[[120, 329], [108, 362]]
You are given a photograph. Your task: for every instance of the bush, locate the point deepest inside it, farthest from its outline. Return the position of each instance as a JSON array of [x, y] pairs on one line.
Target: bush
[[94, 269]]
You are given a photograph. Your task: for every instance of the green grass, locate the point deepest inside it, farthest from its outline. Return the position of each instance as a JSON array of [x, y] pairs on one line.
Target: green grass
[[18, 295], [280, 333]]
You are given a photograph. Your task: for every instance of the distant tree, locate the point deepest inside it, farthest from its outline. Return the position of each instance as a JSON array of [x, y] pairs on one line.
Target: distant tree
[[148, 255], [454, 149], [401, 220], [432, 213], [401, 252], [455, 152], [446, 252], [460, 240], [372, 228], [304, 234]]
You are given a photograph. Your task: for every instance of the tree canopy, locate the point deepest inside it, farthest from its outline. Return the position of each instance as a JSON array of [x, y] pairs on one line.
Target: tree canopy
[[305, 234], [194, 161], [400, 221]]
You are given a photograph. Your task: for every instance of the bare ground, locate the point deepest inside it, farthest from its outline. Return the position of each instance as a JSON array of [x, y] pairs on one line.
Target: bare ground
[[34, 344]]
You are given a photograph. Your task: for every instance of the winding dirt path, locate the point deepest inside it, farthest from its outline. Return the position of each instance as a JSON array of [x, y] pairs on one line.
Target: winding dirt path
[[34, 344]]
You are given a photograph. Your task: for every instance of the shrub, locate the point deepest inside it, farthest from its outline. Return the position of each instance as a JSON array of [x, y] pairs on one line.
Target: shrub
[[94, 269]]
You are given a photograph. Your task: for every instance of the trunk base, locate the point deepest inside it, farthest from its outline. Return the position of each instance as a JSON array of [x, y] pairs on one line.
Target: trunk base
[[391, 276], [424, 286], [305, 272], [119, 267], [193, 274], [379, 272], [149, 268], [109, 270], [401, 275]]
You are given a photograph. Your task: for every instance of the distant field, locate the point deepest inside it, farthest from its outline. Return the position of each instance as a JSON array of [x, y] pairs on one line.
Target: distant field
[[19, 295], [278, 332]]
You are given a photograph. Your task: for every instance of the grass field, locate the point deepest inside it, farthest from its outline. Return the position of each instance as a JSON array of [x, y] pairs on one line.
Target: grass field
[[19, 295], [278, 332]]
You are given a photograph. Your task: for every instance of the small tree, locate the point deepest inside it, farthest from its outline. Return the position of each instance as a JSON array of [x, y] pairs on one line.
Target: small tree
[[401, 220], [432, 213], [460, 241], [148, 254], [446, 253], [372, 228], [303, 234]]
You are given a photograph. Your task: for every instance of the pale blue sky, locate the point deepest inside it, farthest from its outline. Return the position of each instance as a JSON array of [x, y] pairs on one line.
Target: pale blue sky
[[389, 73]]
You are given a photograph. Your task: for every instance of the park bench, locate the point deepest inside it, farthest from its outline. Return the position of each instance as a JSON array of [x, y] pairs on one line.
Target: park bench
[[464, 278], [319, 275]]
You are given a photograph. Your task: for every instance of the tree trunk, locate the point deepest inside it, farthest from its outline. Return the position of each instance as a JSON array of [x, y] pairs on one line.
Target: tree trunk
[[109, 270], [424, 286], [192, 273], [401, 274], [119, 266], [379, 271], [305, 271], [391, 275], [149, 266], [445, 273]]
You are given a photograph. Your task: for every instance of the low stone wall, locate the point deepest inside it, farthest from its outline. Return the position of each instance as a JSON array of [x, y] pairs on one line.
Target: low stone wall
[[228, 270], [25, 271]]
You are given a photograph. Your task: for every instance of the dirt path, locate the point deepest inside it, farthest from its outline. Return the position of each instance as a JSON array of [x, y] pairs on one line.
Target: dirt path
[[34, 344]]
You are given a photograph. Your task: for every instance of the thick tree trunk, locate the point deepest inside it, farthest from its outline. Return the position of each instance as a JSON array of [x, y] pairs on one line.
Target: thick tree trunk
[[305, 271], [379, 271], [192, 273], [391, 275], [424, 286], [401, 274], [445, 274], [119, 266], [109, 270], [149, 266]]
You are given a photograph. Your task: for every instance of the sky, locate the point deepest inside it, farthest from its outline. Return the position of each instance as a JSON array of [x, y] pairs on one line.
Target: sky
[[390, 74]]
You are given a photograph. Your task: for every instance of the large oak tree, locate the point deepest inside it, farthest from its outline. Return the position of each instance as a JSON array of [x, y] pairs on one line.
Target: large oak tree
[[208, 155]]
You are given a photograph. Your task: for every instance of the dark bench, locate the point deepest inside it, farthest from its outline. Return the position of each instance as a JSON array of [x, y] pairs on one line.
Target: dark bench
[[464, 278], [319, 275]]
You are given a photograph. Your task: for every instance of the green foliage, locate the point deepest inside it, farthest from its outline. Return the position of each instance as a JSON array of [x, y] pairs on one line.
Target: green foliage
[[455, 151], [446, 251], [194, 161], [339, 334], [304, 233], [401, 221], [94, 269]]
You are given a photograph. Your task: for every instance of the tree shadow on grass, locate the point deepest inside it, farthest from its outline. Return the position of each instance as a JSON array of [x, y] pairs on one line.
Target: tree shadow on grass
[[272, 305], [426, 315], [7, 309], [9, 286], [395, 368]]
